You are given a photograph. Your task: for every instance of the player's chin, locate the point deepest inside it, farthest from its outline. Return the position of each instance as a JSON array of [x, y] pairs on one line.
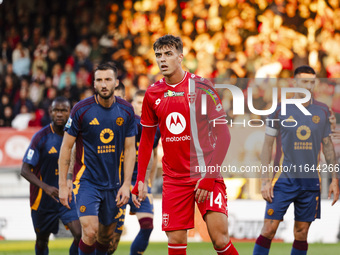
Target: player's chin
[[105, 96], [165, 72], [60, 124]]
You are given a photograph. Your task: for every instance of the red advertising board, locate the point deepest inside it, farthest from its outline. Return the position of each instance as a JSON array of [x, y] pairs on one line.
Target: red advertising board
[[13, 145]]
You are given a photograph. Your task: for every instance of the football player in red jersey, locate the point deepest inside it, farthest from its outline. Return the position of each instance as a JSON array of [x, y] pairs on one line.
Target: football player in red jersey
[[190, 142]]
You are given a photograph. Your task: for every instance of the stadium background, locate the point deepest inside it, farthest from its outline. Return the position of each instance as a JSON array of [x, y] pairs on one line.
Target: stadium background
[[50, 48]]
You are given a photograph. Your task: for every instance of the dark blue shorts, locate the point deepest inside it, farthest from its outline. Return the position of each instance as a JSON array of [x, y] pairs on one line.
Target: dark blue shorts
[[146, 207], [46, 221], [101, 203], [306, 205]]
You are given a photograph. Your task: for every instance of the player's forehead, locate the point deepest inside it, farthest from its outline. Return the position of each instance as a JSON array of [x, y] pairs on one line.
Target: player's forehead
[[102, 74], [60, 106], [165, 48], [305, 76], [138, 98]]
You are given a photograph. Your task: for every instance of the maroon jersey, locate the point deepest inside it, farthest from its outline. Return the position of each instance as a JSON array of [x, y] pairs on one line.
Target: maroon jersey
[[186, 125]]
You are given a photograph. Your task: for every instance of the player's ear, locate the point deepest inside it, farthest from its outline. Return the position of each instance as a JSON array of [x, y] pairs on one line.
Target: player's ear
[[181, 57], [117, 83]]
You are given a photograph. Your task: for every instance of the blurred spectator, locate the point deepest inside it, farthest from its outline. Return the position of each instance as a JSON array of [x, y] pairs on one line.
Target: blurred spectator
[[22, 118], [84, 75], [96, 50], [35, 93], [5, 56], [67, 74], [21, 60], [6, 112], [23, 101]]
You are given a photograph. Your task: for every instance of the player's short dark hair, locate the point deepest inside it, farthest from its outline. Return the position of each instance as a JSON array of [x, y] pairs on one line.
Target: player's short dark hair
[[107, 66], [304, 69], [169, 41], [121, 87], [139, 93], [60, 100]]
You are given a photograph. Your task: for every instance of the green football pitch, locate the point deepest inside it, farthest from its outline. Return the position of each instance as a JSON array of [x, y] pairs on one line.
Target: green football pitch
[[60, 247]]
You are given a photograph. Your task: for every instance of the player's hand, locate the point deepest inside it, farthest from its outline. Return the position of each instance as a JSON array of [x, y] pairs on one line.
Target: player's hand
[[135, 201], [140, 190], [334, 188], [123, 195], [335, 135], [63, 196], [267, 190], [52, 191], [203, 188], [332, 119], [70, 189]]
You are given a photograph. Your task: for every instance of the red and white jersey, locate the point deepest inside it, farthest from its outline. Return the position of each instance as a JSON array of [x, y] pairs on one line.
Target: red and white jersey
[[187, 134]]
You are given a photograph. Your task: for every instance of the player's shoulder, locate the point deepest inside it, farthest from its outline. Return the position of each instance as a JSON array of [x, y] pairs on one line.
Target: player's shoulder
[[44, 131], [84, 104], [275, 114], [198, 78], [41, 135], [202, 84], [123, 103], [157, 86], [137, 118], [321, 105]]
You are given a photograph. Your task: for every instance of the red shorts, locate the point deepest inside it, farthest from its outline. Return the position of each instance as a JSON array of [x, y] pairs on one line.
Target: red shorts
[[178, 204]]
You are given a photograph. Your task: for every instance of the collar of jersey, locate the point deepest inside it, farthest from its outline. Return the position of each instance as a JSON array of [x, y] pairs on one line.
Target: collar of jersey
[[174, 85]]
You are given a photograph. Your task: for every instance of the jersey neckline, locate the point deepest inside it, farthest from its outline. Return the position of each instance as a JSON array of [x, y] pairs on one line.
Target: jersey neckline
[[174, 85]]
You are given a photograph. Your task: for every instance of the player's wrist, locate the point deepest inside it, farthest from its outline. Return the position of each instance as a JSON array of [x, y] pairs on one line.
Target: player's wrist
[[207, 184], [69, 176], [126, 184], [335, 179]]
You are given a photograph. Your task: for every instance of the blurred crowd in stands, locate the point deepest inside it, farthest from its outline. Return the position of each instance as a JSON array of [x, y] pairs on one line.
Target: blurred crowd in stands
[[50, 48]]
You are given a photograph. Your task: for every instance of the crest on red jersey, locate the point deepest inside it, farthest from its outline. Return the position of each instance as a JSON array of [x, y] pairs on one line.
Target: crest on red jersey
[[165, 219], [192, 97]]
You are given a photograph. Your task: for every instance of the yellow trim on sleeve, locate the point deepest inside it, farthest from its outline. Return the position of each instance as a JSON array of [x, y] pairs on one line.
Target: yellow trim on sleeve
[[38, 199]]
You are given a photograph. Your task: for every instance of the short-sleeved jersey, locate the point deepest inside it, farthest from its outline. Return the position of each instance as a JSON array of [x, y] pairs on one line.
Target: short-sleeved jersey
[[101, 134], [43, 154], [138, 136], [187, 137], [298, 145]]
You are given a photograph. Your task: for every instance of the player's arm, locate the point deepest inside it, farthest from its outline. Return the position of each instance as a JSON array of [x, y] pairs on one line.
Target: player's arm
[[328, 151], [70, 173], [206, 185], [129, 163], [144, 154], [153, 168], [266, 157], [64, 165], [33, 179]]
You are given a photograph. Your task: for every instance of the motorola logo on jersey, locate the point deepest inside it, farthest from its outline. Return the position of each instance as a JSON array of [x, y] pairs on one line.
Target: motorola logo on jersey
[[175, 122]]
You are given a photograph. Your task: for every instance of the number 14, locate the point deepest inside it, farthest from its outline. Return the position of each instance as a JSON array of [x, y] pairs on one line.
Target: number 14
[[217, 201]]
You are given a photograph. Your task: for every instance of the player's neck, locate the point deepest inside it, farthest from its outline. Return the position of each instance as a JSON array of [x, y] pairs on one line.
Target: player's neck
[[59, 130], [307, 103], [304, 104], [175, 77], [106, 102]]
